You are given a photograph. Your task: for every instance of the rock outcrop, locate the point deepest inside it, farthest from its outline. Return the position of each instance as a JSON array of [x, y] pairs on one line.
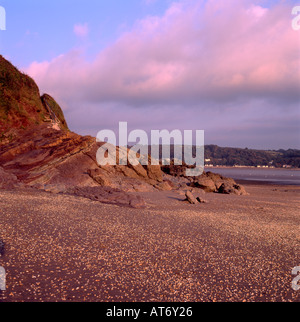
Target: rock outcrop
[[212, 182], [38, 150], [208, 181], [60, 161], [41, 157]]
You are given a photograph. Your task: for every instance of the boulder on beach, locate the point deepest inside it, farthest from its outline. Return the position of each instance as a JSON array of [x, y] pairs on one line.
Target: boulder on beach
[[236, 189]]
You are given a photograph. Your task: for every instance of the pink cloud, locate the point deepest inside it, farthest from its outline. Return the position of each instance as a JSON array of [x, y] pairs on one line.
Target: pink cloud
[[81, 30], [196, 50], [205, 64]]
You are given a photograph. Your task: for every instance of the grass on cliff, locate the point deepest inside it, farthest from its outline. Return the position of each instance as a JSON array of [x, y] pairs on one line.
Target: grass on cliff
[[20, 101], [19, 95], [56, 109]]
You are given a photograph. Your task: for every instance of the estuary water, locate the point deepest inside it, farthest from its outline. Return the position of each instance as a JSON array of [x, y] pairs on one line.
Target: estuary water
[[267, 175]]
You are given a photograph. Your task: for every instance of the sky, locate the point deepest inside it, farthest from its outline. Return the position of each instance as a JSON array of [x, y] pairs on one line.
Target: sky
[[228, 67]]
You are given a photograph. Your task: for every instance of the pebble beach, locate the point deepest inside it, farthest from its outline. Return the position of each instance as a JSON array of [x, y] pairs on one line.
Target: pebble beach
[[232, 248]]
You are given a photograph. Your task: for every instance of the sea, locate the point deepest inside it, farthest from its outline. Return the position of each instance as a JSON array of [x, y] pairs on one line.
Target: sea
[[263, 175]]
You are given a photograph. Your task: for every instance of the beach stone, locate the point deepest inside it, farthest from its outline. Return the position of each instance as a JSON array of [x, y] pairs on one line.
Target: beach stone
[[201, 200], [191, 198], [240, 190], [2, 247]]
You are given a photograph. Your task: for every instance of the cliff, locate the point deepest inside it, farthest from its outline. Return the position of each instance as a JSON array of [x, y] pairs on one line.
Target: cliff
[[21, 105]]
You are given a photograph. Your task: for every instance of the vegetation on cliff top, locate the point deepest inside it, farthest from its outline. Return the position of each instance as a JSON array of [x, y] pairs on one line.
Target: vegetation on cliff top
[[20, 101]]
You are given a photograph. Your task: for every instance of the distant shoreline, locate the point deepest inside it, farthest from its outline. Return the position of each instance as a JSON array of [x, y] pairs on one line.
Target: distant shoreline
[[259, 176], [264, 183], [248, 167]]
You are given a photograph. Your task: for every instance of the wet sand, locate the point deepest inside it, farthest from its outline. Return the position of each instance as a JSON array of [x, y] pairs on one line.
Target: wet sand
[[234, 248]]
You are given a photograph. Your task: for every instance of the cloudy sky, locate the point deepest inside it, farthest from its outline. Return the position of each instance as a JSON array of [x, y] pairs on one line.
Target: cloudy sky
[[229, 67]]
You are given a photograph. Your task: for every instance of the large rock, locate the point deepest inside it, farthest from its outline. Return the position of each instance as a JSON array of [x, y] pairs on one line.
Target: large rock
[[44, 156], [236, 189], [212, 182], [219, 179], [208, 181], [205, 183]]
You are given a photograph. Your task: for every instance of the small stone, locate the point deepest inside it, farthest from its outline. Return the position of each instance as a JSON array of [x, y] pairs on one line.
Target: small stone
[[191, 198], [201, 200], [2, 246]]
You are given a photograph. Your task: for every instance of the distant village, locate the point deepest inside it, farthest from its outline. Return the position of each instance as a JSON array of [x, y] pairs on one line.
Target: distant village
[[209, 164]]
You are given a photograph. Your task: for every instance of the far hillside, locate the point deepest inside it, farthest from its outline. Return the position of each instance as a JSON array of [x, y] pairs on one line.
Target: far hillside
[[224, 156], [216, 155]]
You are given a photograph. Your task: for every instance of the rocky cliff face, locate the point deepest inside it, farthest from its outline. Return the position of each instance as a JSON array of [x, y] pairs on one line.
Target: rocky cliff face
[[38, 150], [45, 157], [20, 103]]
